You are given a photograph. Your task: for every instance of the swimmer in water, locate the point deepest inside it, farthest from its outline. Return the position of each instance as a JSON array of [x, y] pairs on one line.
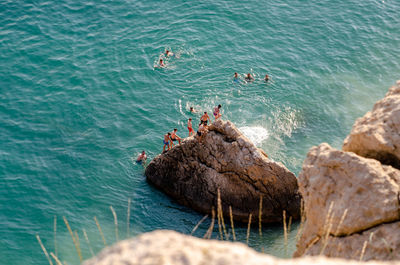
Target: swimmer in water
[[162, 63], [249, 78], [192, 110], [167, 139], [216, 113], [236, 77], [190, 128], [141, 158], [204, 119], [175, 137], [266, 78], [168, 53]]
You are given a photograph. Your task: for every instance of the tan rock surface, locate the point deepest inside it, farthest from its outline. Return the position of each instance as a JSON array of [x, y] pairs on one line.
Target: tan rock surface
[[377, 134], [193, 172], [363, 188], [172, 248]]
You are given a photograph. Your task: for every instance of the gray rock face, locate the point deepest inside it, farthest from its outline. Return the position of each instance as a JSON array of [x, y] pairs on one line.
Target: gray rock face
[[377, 134], [172, 248], [226, 160]]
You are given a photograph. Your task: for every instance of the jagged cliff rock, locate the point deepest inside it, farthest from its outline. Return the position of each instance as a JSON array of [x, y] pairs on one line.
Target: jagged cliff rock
[[377, 134], [226, 160], [352, 200], [349, 197], [172, 248]]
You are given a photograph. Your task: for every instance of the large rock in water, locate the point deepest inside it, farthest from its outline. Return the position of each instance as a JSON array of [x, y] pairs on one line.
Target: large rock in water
[[172, 248], [377, 134], [227, 161]]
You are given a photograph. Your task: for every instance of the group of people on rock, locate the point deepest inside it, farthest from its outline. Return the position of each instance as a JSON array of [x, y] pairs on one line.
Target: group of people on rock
[[248, 78]]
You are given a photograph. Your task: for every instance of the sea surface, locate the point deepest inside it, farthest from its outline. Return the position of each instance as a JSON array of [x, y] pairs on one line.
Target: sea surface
[[80, 98]]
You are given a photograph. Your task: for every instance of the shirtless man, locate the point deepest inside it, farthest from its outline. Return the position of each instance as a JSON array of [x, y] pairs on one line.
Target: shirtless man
[[190, 128], [162, 63], [236, 77], [249, 78], [167, 139], [204, 119], [201, 132], [141, 158], [175, 137], [216, 112], [168, 53]]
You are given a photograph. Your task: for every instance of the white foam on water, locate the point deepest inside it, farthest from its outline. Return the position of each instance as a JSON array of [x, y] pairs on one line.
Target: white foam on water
[[256, 134]]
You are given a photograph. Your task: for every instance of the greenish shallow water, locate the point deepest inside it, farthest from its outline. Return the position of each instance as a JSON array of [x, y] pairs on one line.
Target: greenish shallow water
[[80, 97]]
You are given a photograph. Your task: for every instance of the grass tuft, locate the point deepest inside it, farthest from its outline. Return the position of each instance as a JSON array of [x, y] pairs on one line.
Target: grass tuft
[[100, 231], [78, 250], [44, 249]]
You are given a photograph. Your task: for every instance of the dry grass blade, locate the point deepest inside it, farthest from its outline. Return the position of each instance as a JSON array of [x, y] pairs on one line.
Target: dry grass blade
[[363, 250], [260, 217], [327, 228], [285, 231], [78, 250], [55, 234], [233, 228], [115, 223], [199, 223], [221, 214], [302, 220], [56, 259], [128, 216], [44, 249], [248, 229], [290, 224], [88, 242], [211, 228], [100, 231]]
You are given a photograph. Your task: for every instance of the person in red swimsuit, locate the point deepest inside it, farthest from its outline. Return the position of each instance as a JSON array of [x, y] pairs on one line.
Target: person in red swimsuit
[[190, 128]]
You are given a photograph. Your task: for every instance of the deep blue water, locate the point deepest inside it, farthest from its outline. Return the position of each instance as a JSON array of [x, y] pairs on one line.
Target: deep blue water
[[80, 98]]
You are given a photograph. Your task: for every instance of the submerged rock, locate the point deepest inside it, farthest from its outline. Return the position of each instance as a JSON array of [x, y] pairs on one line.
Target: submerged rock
[[172, 248], [227, 161], [377, 134]]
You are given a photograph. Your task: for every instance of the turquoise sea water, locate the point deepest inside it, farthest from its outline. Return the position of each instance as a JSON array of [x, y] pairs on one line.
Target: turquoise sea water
[[80, 97]]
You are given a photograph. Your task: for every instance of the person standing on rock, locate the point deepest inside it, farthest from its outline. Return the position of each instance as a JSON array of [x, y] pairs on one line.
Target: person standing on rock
[[167, 139], [201, 132], [175, 137], [190, 128], [204, 119], [216, 113]]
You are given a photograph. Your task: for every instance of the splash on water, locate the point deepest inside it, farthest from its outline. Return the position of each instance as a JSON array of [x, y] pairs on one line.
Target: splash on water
[[256, 134]]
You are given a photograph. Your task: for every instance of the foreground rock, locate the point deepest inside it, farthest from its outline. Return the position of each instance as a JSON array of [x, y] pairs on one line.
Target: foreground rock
[[171, 248], [226, 160], [377, 134], [349, 201]]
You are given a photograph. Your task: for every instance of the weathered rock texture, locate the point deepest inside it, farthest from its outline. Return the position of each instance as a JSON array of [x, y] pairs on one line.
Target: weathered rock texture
[[193, 172], [377, 134], [349, 197], [171, 248]]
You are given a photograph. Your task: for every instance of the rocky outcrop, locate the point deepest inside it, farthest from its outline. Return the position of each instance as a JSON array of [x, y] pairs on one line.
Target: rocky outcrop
[[167, 248], [227, 161], [352, 197], [347, 200], [377, 134]]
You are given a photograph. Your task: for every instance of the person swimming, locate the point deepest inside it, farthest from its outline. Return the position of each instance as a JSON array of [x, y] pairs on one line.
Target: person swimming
[[168, 53], [192, 110], [266, 78], [216, 112], [161, 63], [249, 78], [236, 77], [141, 158]]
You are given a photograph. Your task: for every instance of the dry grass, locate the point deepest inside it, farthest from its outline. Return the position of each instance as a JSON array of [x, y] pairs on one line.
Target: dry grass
[[76, 244], [44, 249], [101, 232], [199, 223], [260, 216], [232, 226], [55, 258], [88, 242], [248, 229], [208, 234], [221, 217], [115, 223], [285, 234]]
